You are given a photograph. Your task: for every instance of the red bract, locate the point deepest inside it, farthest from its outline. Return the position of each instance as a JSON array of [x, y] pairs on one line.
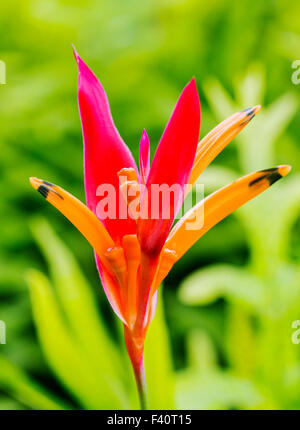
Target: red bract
[[105, 153], [135, 249]]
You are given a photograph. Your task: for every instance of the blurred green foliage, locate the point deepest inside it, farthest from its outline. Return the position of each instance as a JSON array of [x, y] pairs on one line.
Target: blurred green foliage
[[230, 325]]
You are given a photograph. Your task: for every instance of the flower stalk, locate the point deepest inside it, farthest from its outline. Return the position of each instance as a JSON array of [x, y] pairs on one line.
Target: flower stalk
[[135, 349]]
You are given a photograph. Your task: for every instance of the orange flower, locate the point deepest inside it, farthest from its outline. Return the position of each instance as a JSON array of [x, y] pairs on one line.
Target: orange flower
[[136, 250]]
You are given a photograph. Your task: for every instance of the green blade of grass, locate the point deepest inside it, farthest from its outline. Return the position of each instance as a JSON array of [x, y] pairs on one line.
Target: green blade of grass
[[158, 363], [78, 303], [93, 391], [15, 382], [206, 285]]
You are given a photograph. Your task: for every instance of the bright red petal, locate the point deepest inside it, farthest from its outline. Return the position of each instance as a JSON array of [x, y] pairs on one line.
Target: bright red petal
[[105, 153], [171, 165], [144, 157]]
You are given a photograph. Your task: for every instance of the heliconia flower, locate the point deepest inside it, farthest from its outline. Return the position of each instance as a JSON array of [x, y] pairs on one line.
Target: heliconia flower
[[135, 252]]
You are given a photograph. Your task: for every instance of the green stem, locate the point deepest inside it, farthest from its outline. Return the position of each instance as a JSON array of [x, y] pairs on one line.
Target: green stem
[[135, 348], [141, 386]]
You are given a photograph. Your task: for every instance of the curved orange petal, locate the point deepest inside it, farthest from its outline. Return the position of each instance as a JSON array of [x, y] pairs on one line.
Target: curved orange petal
[[216, 207], [218, 138], [79, 215]]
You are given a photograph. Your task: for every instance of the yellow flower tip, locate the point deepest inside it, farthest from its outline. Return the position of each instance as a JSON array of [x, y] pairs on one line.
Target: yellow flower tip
[[284, 169], [35, 182], [249, 114], [256, 109], [45, 188]]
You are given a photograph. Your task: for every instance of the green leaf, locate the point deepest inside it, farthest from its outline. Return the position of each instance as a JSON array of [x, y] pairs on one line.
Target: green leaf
[[215, 177], [78, 303], [250, 88], [201, 351], [158, 362], [287, 212], [217, 390], [209, 284], [64, 354], [240, 341], [14, 381], [219, 100], [256, 150], [258, 142]]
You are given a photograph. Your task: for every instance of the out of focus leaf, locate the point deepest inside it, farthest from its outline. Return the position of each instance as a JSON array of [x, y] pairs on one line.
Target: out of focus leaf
[[158, 363], [217, 390], [67, 359], [219, 100], [269, 125], [78, 303], [240, 341], [209, 284], [215, 177], [29, 393], [7, 404], [250, 89], [202, 354]]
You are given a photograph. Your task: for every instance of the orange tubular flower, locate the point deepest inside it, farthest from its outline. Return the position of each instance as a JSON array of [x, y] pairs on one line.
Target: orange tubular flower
[[136, 250]]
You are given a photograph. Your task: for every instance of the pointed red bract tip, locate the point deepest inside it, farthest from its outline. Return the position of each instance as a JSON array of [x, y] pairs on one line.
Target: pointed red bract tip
[[74, 51], [192, 83], [144, 136], [171, 165], [105, 153], [78, 60], [86, 75], [144, 154]]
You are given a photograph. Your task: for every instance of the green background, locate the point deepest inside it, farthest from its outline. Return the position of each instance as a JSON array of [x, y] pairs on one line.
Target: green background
[[226, 337]]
